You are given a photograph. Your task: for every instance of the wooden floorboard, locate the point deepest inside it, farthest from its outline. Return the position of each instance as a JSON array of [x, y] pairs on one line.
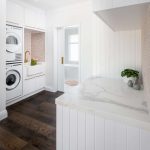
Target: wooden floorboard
[[31, 124]]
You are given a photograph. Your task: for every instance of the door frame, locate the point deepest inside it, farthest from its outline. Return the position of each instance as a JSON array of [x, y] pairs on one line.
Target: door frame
[[55, 54]]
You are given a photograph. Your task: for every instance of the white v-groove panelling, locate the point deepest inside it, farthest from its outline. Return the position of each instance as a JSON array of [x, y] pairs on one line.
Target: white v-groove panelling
[[3, 112], [114, 51], [78, 130]]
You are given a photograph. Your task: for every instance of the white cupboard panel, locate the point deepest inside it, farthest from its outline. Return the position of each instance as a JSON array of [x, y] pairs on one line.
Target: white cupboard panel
[[30, 17], [73, 130], [90, 132], [40, 82], [109, 4], [81, 131], [121, 137], [15, 13], [66, 128], [59, 127], [144, 1], [33, 85], [99, 133], [145, 140], [85, 131], [35, 18], [133, 138], [109, 135], [122, 3]]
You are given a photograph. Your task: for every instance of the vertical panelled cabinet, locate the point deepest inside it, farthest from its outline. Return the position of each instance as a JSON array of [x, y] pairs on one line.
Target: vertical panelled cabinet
[[109, 4], [78, 130], [21, 15]]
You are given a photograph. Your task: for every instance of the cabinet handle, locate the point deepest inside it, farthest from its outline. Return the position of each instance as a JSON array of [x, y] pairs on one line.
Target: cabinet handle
[[62, 60]]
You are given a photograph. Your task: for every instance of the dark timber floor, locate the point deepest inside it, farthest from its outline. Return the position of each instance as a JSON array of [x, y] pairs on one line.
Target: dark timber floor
[[31, 124]]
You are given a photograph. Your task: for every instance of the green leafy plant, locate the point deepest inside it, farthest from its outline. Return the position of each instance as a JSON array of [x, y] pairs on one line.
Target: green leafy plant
[[130, 73], [33, 62]]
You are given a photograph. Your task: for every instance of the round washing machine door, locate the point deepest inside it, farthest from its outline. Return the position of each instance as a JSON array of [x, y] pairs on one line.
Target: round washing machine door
[[13, 42], [12, 79]]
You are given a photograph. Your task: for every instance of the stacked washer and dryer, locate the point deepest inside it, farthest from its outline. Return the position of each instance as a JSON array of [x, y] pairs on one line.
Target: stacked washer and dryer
[[14, 62]]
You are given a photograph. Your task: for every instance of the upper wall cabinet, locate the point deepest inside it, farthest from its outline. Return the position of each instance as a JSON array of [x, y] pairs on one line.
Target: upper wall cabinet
[[15, 13], [23, 15], [122, 14], [110, 4], [35, 18]]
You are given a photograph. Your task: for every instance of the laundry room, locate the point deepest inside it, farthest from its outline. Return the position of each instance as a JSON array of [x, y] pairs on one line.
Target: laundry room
[[75, 74]]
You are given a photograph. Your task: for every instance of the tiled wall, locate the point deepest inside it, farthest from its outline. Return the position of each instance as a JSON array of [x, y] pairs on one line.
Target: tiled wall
[[27, 43], [38, 46], [35, 44], [146, 53]]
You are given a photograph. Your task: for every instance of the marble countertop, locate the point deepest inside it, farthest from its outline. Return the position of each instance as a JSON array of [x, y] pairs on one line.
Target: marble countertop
[[109, 98]]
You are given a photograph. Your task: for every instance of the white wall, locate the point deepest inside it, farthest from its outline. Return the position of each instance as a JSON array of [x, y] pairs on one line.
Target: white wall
[[114, 51], [3, 112], [103, 52], [79, 14]]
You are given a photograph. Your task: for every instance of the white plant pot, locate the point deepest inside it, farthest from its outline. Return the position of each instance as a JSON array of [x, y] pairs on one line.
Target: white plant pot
[[126, 80]]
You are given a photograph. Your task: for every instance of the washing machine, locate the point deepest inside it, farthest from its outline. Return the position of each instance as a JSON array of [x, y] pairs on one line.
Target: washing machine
[[14, 78], [14, 44]]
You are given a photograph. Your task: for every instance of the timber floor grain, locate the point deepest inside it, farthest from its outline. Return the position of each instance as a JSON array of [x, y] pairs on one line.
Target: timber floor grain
[[31, 124]]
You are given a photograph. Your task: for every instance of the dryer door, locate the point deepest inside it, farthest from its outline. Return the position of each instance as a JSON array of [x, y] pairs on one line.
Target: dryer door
[[12, 79], [13, 42]]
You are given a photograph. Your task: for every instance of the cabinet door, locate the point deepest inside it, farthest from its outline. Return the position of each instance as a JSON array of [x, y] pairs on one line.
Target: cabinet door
[[102, 4], [30, 18], [122, 3], [35, 18], [41, 20], [15, 13], [144, 1], [40, 82], [33, 85], [28, 86]]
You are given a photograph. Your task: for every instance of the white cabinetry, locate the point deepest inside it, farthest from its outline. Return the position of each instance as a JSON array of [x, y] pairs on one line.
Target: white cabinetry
[[122, 3], [119, 14], [28, 16], [15, 13], [81, 130], [34, 78], [110, 4], [34, 84], [35, 18]]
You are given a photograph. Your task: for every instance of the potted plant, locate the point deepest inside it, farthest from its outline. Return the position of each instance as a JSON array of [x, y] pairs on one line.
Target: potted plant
[[130, 74], [33, 62]]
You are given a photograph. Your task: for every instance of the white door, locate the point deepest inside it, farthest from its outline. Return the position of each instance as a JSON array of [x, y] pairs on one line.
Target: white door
[[68, 54], [60, 59]]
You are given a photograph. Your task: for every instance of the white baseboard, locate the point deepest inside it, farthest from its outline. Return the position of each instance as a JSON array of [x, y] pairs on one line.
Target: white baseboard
[[50, 89], [3, 115]]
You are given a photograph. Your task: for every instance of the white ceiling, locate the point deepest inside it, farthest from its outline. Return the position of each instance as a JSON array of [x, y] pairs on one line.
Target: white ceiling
[[50, 4]]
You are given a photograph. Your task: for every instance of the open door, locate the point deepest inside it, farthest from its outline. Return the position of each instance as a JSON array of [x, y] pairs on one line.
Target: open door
[[60, 58], [68, 67]]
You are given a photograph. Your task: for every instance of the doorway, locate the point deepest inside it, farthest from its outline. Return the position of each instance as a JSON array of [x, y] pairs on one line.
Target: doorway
[[68, 56]]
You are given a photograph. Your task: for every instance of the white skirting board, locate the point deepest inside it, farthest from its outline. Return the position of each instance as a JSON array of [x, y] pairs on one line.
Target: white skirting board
[[3, 115], [78, 130]]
